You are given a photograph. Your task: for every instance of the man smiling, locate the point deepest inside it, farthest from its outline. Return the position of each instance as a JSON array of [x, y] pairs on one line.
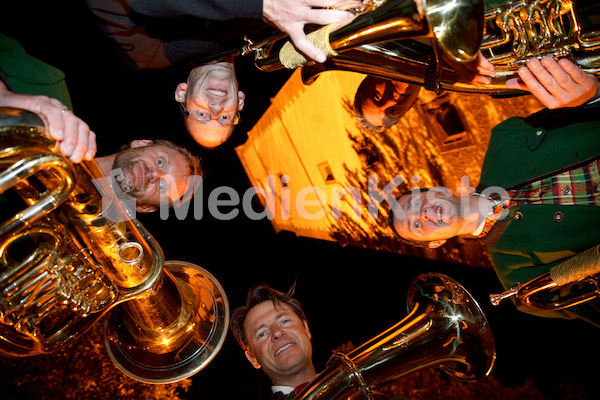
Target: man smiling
[[273, 331], [211, 101], [163, 33], [437, 214], [536, 205]]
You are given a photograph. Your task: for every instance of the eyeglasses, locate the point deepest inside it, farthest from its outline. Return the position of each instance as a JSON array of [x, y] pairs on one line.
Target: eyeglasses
[[223, 119]]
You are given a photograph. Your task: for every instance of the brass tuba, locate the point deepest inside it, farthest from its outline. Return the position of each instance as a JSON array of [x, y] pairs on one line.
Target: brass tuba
[[508, 36], [71, 255], [445, 326]]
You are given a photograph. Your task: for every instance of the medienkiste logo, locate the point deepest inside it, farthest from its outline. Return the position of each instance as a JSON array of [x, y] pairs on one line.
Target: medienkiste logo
[[310, 202]]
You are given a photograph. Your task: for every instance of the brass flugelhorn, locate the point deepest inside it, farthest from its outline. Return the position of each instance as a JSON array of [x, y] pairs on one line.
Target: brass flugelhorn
[[71, 255], [583, 268], [445, 327]]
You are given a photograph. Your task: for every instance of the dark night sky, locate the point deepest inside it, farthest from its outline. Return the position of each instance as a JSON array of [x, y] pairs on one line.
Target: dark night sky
[[348, 293]]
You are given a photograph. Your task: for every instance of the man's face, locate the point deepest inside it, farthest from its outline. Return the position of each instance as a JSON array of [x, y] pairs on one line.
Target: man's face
[[151, 172], [383, 100], [279, 341], [428, 216], [212, 90]]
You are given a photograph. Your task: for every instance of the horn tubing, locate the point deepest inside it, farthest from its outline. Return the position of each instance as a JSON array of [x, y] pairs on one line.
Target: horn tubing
[[456, 27], [583, 267], [26, 168]]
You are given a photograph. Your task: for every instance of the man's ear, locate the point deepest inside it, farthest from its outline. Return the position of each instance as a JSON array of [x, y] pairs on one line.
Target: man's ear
[[241, 100], [252, 359], [145, 208], [180, 92], [434, 244], [140, 143], [307, 330]]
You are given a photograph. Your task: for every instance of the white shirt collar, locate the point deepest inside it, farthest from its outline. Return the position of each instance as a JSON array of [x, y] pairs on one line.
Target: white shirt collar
[[480, 227], [284, 389]]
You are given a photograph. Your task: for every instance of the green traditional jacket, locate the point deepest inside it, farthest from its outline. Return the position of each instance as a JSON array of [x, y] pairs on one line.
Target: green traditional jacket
[[537, 237]]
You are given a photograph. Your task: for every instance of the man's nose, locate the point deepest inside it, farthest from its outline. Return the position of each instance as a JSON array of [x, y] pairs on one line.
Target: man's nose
[[425, 214], [388, 102], [215, 108], [415, 212], [153, 175], [278, 333], [390, 94]]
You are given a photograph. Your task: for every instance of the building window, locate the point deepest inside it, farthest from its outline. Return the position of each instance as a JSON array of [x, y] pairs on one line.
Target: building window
[[326, 172], [284, 179], [446, 123]]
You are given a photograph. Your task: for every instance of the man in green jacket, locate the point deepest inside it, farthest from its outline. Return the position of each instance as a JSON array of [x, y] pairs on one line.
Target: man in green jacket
[[536, 204]]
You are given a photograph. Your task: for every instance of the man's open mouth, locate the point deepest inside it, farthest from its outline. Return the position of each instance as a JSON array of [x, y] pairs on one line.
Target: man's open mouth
[[287, 346], [217, 92], [438, 214]]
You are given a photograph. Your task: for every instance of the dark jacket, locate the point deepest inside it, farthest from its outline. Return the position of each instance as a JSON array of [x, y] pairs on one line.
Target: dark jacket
[[150, 34]]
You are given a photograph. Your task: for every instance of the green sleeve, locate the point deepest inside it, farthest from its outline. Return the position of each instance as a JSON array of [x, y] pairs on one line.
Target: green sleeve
[[493, 3], [29, 75]]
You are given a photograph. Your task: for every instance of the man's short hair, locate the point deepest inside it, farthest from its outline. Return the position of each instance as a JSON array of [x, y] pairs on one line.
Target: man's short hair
[[362, 121], [257, 294], [414, 243]]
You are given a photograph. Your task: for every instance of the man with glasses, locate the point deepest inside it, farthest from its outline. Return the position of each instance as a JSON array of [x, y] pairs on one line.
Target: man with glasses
[[161, 33], [211, 102], [148, 171]]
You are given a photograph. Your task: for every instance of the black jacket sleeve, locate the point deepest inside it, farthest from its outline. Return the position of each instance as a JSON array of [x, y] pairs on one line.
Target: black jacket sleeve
[[214, 10]]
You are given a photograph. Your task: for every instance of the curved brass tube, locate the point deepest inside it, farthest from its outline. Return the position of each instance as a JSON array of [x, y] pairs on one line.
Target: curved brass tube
[[376, 43], [76, 254], [583, 267]]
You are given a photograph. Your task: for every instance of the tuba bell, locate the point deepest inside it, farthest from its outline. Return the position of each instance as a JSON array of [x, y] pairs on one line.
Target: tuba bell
[[71, 255], [445, 326]]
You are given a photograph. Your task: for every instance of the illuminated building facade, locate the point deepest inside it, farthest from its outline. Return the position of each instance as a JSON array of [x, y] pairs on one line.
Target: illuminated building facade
[[325, 177]]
